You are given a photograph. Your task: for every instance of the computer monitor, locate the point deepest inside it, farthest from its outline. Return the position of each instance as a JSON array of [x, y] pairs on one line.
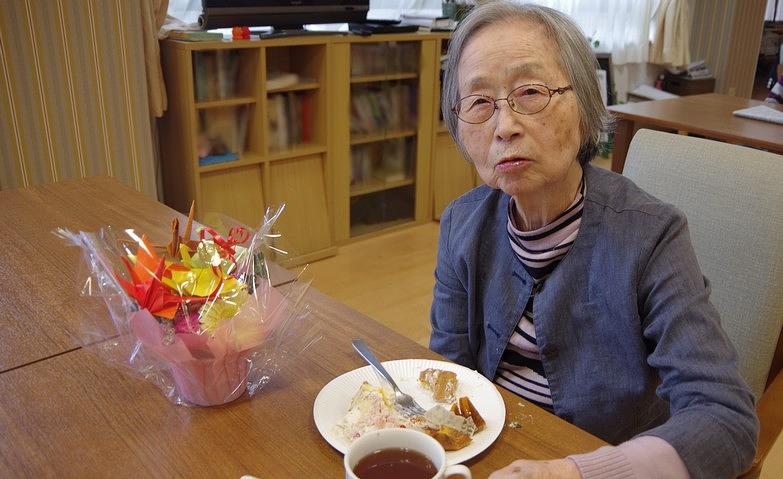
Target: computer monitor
[[281, 14]]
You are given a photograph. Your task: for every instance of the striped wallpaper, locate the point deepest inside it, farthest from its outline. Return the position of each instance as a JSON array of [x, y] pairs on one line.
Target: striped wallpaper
[[727, 34], [73, 93]]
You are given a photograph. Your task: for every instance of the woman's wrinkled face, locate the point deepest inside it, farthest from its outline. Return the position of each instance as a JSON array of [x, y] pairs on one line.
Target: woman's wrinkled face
[[523, 155]]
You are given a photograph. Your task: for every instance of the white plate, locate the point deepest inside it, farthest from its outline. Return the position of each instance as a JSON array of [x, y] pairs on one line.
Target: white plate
[[333, 401]]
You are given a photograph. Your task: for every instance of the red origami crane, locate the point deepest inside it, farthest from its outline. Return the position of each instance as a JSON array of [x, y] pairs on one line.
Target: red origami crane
[[146, 286]]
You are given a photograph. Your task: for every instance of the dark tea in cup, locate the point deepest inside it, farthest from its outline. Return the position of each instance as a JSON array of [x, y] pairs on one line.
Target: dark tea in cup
[[395, 463], [399, 453]]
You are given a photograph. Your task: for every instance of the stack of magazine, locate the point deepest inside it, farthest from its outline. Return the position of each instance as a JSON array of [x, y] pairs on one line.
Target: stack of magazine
[[427, 21]]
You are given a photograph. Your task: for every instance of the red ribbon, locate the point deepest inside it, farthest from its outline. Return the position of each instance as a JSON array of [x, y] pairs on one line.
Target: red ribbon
[[236, 235]]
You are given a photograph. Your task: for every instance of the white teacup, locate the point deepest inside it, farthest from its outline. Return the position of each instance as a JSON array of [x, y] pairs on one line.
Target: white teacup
[[403, 439]]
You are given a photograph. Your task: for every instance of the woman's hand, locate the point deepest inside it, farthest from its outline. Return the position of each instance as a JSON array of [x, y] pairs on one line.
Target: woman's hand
[[523, 469]]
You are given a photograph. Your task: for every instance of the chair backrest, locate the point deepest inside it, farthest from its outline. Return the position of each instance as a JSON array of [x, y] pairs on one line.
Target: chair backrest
[[733, 199]]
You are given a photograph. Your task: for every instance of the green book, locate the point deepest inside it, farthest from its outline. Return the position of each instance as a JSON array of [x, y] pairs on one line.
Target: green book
[[195, 36]]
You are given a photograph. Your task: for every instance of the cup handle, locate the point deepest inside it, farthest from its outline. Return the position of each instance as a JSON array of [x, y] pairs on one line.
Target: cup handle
[[459, 470]]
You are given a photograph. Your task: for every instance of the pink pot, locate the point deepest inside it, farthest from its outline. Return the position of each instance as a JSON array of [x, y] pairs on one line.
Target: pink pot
[[211, 382]]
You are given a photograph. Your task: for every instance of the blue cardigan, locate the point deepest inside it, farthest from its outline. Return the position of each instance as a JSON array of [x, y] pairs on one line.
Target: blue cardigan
[[629, 340]]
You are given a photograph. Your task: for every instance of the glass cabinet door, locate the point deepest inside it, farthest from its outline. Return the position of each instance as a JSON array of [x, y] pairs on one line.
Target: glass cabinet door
[[384, 99]]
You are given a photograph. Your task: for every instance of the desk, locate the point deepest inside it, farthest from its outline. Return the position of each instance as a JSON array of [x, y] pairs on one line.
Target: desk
[[40, 308], [71, 415], [706, 115]]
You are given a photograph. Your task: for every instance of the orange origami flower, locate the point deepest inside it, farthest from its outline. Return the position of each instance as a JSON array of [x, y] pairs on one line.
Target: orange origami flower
[[146, 285]]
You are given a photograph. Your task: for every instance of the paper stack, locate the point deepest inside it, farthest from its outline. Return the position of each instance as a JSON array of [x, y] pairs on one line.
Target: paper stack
[[698, 70], [428, 21], [761, 112]]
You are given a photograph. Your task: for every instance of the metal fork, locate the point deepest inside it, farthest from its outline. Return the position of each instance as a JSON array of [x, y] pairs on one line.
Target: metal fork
[[402, 400]]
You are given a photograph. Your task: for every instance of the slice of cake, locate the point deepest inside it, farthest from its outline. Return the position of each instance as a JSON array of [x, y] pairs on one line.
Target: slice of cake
[[450, 438], [442, 384], [372, 408], [453, 432]]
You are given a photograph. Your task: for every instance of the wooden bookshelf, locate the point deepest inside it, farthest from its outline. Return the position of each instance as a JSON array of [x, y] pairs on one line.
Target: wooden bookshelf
[[367, 230], [397, 71], [362, 138], [248, 158], [245, 100], [374, 185], [296, 87], [383, 78], [292, 169], [298, 145], [296, 151]]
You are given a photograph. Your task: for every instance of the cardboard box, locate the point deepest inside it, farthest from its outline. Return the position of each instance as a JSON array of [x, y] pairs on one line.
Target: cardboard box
[[681, 85]]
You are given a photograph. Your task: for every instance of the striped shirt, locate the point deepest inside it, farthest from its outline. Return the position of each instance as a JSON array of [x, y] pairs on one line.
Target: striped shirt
[[776, 93], [540, 251]]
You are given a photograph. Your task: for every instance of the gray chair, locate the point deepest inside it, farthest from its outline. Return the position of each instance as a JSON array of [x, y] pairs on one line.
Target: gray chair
[[733, 199]]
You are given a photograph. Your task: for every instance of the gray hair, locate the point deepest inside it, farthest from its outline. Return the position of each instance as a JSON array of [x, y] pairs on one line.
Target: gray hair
[[576, 59]]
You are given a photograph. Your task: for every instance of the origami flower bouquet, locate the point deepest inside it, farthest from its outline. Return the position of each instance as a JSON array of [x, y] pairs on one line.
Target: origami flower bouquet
[[198, 317]]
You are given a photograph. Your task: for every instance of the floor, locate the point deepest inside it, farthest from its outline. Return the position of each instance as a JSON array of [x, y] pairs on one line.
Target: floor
[[389, 278]]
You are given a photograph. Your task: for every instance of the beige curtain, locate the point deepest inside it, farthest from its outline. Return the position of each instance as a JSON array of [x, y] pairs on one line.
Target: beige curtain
[[153, 14], [672, 30]]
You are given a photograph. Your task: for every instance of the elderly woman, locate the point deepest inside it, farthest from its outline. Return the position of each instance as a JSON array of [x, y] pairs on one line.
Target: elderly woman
[[567, 284]]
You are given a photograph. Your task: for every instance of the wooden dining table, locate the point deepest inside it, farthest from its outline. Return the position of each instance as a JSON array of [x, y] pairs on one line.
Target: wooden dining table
[[708, 115], [64, 412]]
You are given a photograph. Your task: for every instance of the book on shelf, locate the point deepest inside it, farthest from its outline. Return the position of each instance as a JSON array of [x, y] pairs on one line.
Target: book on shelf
[[215, 74], [306, 115], [222, 134], [195, 36], [228, 69], [384, 161], [390, 108], [276, 80], [388, 176], [282, 122], [273, 124], [294, 119], [392, 162], [361, 164], [200, 72], [290, 120], [384, 58], [215, 159]]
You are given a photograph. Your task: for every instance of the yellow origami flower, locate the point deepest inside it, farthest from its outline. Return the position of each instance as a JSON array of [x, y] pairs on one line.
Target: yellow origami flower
[[213, 313]]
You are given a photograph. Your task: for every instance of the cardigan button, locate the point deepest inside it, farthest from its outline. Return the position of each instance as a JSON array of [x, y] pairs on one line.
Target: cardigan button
[[550, 351]]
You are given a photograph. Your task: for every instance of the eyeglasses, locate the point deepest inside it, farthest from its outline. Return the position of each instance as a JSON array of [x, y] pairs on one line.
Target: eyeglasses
[[525, 100]]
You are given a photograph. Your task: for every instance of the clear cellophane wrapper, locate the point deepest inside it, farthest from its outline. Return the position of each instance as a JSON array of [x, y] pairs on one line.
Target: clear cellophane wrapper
[[198, 318]]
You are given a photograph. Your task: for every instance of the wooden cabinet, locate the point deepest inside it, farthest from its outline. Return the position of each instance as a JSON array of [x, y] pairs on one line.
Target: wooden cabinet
[[383, 130], [452, 175], [342, 129], [245, 130]]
